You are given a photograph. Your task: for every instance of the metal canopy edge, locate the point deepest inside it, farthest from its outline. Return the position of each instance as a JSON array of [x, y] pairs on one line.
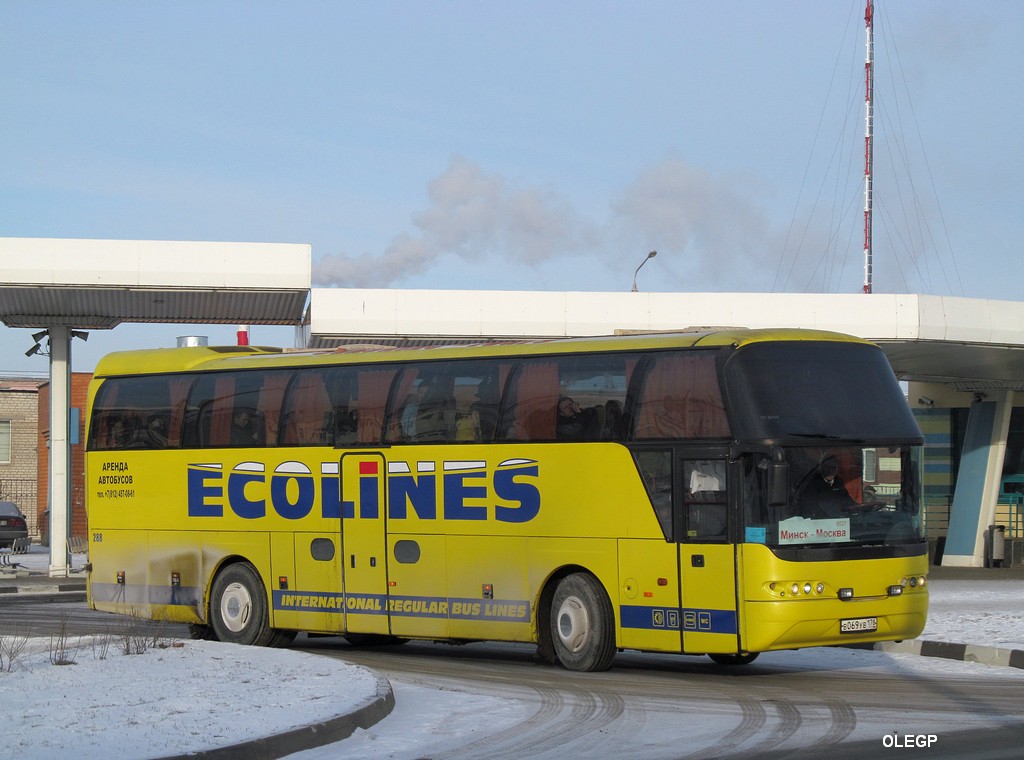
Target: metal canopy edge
[[97, 284]]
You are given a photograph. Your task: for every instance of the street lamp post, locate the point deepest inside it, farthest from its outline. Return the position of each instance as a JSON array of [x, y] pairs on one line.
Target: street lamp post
[[650, 256]]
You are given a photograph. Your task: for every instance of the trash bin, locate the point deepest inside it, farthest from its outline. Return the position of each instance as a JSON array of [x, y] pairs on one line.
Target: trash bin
[[997, 544]]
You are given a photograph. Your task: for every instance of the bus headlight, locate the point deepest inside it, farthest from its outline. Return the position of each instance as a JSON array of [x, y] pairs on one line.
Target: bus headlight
[[895, 590], [846, 594]]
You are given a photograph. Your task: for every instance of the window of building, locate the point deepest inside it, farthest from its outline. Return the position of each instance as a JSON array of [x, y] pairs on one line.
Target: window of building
[[5, 441]]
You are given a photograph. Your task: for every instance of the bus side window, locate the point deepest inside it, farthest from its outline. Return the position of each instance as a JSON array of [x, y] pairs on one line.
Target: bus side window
[[341, 421], [238, 409], [488, 402], [306, 411], [704, 499], [374, 384], [533, 406], [655, 467], [681, 399], [435, 416]]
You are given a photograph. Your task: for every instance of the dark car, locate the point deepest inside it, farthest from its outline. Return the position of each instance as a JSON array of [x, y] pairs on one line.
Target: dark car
[[12, 523]]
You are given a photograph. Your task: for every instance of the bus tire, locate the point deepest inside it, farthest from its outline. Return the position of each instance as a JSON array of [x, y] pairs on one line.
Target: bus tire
[[582, 624], [734, 659], [238, 607]]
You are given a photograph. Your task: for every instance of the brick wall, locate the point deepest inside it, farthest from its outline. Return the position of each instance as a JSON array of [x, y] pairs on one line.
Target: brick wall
[[79, 389], [19, 404]]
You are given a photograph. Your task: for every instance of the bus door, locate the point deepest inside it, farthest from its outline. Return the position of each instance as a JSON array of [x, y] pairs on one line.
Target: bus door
[[363, 542], [707, 566]]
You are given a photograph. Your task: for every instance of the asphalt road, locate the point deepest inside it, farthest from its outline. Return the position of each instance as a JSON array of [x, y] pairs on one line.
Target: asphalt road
[[659, 706]]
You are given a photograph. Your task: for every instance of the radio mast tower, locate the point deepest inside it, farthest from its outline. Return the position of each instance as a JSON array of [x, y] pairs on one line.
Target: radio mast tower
[[869, 125]]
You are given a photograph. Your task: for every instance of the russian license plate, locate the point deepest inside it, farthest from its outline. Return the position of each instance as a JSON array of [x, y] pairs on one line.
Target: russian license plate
[[858, 625]]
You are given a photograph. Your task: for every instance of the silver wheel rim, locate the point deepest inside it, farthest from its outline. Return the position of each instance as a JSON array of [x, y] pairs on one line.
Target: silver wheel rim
[[573, 624], [236, 607]]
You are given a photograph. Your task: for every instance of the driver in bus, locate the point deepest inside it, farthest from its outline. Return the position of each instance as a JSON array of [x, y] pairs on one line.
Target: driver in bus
[[825, 496]]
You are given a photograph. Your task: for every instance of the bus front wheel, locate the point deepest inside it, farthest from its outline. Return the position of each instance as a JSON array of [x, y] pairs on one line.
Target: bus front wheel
[[582, 624], [238, 609]]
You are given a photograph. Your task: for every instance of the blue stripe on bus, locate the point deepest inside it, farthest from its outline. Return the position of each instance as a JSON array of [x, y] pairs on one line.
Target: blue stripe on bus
[[674, 619], [504, 610]]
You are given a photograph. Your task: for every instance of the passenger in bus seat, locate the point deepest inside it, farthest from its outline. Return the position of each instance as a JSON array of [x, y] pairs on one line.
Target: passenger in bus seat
[[574, 423], [157, 431], [345, 426], [467, 427], [244, 431], [121, 432]]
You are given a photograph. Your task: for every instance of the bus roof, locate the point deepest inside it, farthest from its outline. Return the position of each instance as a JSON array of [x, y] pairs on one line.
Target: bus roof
[[207, 358]]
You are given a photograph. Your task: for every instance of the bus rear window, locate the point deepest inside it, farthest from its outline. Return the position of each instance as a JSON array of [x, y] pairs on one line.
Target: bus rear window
[[139, 413]]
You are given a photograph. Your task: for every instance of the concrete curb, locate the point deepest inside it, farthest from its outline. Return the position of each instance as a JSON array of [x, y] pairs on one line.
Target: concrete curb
[[1005, 658], [299, 739], [33, 588], [42, 588]]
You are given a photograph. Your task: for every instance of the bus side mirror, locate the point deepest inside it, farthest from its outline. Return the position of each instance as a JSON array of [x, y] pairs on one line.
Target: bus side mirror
[[778, 484]]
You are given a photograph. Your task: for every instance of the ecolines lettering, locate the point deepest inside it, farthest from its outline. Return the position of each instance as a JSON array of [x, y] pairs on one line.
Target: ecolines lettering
[[468, 491]]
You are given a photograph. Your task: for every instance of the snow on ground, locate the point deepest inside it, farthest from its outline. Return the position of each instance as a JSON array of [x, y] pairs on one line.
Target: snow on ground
[[140, 706], [974, 612], [173, 698]]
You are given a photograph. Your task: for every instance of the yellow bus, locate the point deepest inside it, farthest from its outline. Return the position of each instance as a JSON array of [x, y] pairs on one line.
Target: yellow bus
[[718, 493]]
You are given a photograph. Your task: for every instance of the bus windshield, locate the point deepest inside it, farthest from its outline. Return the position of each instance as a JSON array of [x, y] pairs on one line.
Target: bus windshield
[[839, 496], [840, 391]]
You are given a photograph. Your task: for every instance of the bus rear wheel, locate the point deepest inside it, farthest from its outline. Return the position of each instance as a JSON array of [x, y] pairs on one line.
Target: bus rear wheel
[[238, 609], [582, 624]]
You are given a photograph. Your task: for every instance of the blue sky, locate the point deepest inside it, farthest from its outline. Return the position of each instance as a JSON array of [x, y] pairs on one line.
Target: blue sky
[[523, 145]]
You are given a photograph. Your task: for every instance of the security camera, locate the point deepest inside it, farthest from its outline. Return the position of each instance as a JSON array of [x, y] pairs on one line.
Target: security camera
[[925, 401]]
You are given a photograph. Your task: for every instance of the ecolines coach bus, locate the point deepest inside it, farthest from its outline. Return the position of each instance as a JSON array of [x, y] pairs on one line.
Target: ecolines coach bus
[[721, 493]]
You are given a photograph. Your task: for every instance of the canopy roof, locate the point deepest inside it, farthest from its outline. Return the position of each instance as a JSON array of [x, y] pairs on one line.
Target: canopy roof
[[96, 284]]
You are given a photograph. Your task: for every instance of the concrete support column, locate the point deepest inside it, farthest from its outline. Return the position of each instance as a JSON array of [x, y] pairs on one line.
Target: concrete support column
[[977, 484], [60, 448]]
